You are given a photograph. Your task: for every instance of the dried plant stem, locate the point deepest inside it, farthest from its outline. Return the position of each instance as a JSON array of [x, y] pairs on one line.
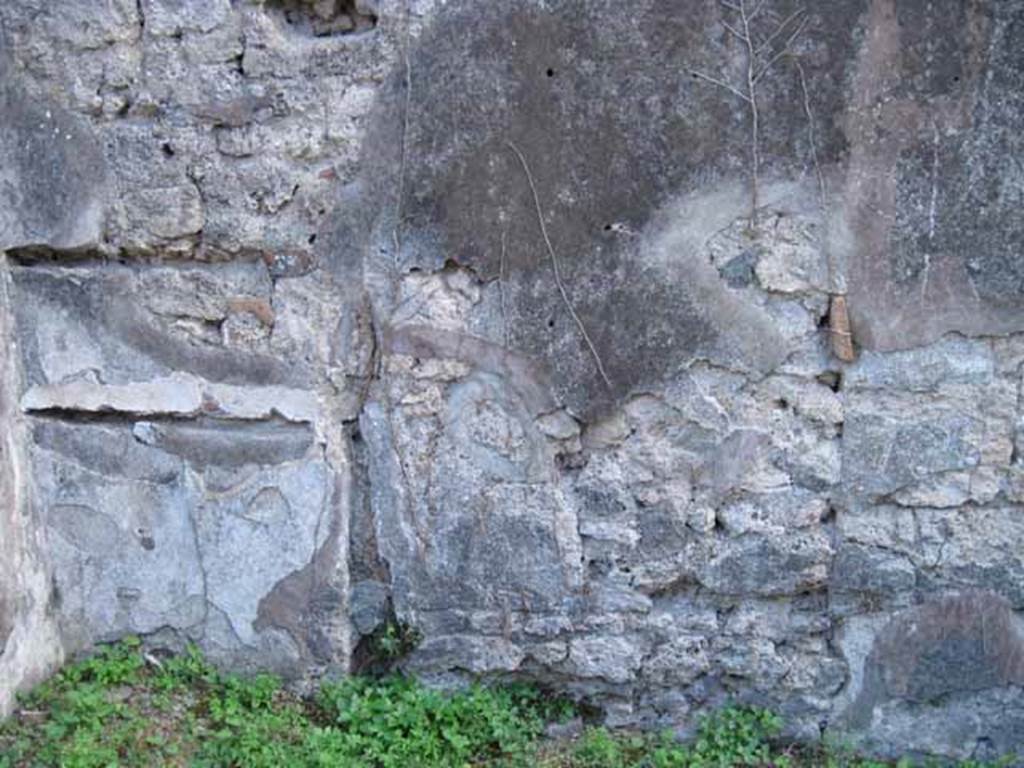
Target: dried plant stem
[[812, 138], [396, 234], [501, 286], [555, 267], [760, 57], [755, 132]]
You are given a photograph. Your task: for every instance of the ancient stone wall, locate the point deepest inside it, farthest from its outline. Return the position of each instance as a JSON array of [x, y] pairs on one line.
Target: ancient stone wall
[[510, 323]]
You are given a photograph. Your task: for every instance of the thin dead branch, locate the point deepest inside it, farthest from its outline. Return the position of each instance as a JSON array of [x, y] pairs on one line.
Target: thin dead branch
[[736, 91], [812, 138], [396, 234], [760, 58], [501, 286], [555, 267]]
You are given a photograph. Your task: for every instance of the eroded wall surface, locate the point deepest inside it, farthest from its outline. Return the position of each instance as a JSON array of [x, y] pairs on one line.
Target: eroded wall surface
[[322, 315]]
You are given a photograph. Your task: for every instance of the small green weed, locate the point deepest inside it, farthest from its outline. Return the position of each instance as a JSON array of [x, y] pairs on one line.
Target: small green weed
[[394, 640], [734, 736], [121, 708], [598, 748], [113, 709], [398, 722]]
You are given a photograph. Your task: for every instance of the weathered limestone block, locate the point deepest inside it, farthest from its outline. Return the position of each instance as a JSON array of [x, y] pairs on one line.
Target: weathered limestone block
[[30, 645], [160, 538], [948, 365], [53, 188], [508, 540], [614, 659], [761, 565], [964, 649], [892, 443], [122, 550]]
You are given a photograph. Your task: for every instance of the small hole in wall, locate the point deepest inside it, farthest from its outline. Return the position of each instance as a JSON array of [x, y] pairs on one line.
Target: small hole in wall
[[167, 149], [782, 403], [325, 18], [607, 227], [311, 239], [551, 323], [550, 72], [831, 379]]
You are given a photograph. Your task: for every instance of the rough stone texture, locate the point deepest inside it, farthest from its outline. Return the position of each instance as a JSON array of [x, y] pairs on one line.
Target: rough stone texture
[[454, 313], [30, 644], [933, 172]]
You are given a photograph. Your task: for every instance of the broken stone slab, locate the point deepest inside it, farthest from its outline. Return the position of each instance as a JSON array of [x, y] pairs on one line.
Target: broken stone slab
[[195, 544], [259, 533], [224, 450], [122, 552], [99, 323], [179, 394]]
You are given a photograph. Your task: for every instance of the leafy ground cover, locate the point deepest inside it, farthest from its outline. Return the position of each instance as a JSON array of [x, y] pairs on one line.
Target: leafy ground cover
[[122, 707]]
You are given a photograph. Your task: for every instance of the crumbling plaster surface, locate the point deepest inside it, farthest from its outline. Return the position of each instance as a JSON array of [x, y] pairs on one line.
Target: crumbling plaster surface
[[456, 312]]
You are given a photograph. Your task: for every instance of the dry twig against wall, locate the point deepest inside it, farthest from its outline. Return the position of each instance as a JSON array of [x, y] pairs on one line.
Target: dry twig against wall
[[555, 267], [396, 234], [501, 287], [761, 53]]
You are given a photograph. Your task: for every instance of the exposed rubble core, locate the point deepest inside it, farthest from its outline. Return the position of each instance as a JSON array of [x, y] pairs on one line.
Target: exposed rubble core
[[320, 316]]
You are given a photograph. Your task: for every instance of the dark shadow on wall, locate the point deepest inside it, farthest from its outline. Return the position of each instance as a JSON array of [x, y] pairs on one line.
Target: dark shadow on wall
[[612, 132]]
